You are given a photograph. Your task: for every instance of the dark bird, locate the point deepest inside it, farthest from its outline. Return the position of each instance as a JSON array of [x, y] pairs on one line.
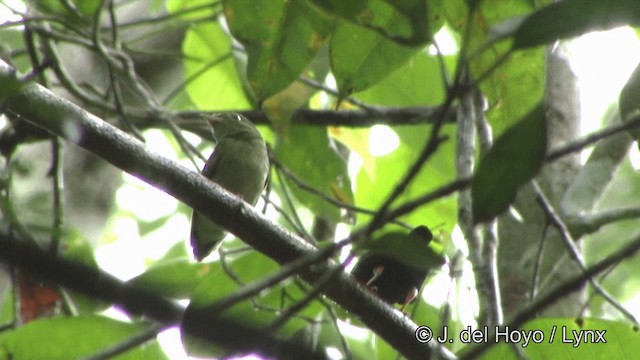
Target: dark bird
[[397, 264]]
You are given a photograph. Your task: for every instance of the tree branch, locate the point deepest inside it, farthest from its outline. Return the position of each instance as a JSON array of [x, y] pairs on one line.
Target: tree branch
[[592, 179], [351, 118], [582, 224]]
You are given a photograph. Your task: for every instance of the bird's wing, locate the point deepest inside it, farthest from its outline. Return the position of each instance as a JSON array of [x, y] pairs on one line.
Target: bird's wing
[[205, 234], [210, 166]]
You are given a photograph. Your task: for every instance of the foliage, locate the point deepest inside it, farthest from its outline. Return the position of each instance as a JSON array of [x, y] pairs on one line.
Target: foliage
[[141, 68]]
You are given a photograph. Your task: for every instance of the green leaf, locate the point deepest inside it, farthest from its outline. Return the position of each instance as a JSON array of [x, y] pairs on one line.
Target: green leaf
[[176, 279], [216, 84], [88, 7], [418, 82], [12, 39], [361, 344], [629, 102], [281, 37], [308, 153], [375, 184], [257, 312], [73, 338], [622, 340], [177, 252], [360, 58], [514, 159], [280, 107], [413, 249], [412, 26], [570, 18]]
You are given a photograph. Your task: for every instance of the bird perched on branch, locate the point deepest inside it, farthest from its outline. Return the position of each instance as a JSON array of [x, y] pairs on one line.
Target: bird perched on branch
[[395, 265], [240, 164]]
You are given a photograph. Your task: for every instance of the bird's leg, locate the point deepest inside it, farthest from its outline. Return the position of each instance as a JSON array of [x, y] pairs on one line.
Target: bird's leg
[[377, 271], [410, 296]]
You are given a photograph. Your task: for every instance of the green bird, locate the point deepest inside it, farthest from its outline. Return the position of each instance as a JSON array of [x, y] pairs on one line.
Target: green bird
[[238, 163]]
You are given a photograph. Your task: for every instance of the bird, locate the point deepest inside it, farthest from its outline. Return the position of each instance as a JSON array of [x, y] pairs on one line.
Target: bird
[[393, 280], [240, 164]]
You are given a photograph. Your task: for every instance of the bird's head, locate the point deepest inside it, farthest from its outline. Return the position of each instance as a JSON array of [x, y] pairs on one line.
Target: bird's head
[[236, 126]]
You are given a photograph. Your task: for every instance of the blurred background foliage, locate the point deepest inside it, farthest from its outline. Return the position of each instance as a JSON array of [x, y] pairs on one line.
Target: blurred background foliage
[[128, 61]]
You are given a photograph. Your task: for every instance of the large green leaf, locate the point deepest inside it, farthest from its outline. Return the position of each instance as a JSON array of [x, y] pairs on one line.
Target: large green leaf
[[281, 38], [515, 158], [570, 18], [374, 186], [417, 82], [176, 279], [361, 58], [411, 26], [629, 102], [309, 154], [360, 346], [11, 40], [216, 84], [257, 312], [73, 338]]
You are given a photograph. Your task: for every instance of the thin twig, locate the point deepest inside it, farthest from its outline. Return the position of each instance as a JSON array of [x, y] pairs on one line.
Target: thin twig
[[248, 291], [334, 321], [173, 93], [309, 297], [537, 266], [443, 191], [592, 138], [285, 215], [128, 344], [55, 172], [582, 224], [342, 205], [289, 200], [316, 85]]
